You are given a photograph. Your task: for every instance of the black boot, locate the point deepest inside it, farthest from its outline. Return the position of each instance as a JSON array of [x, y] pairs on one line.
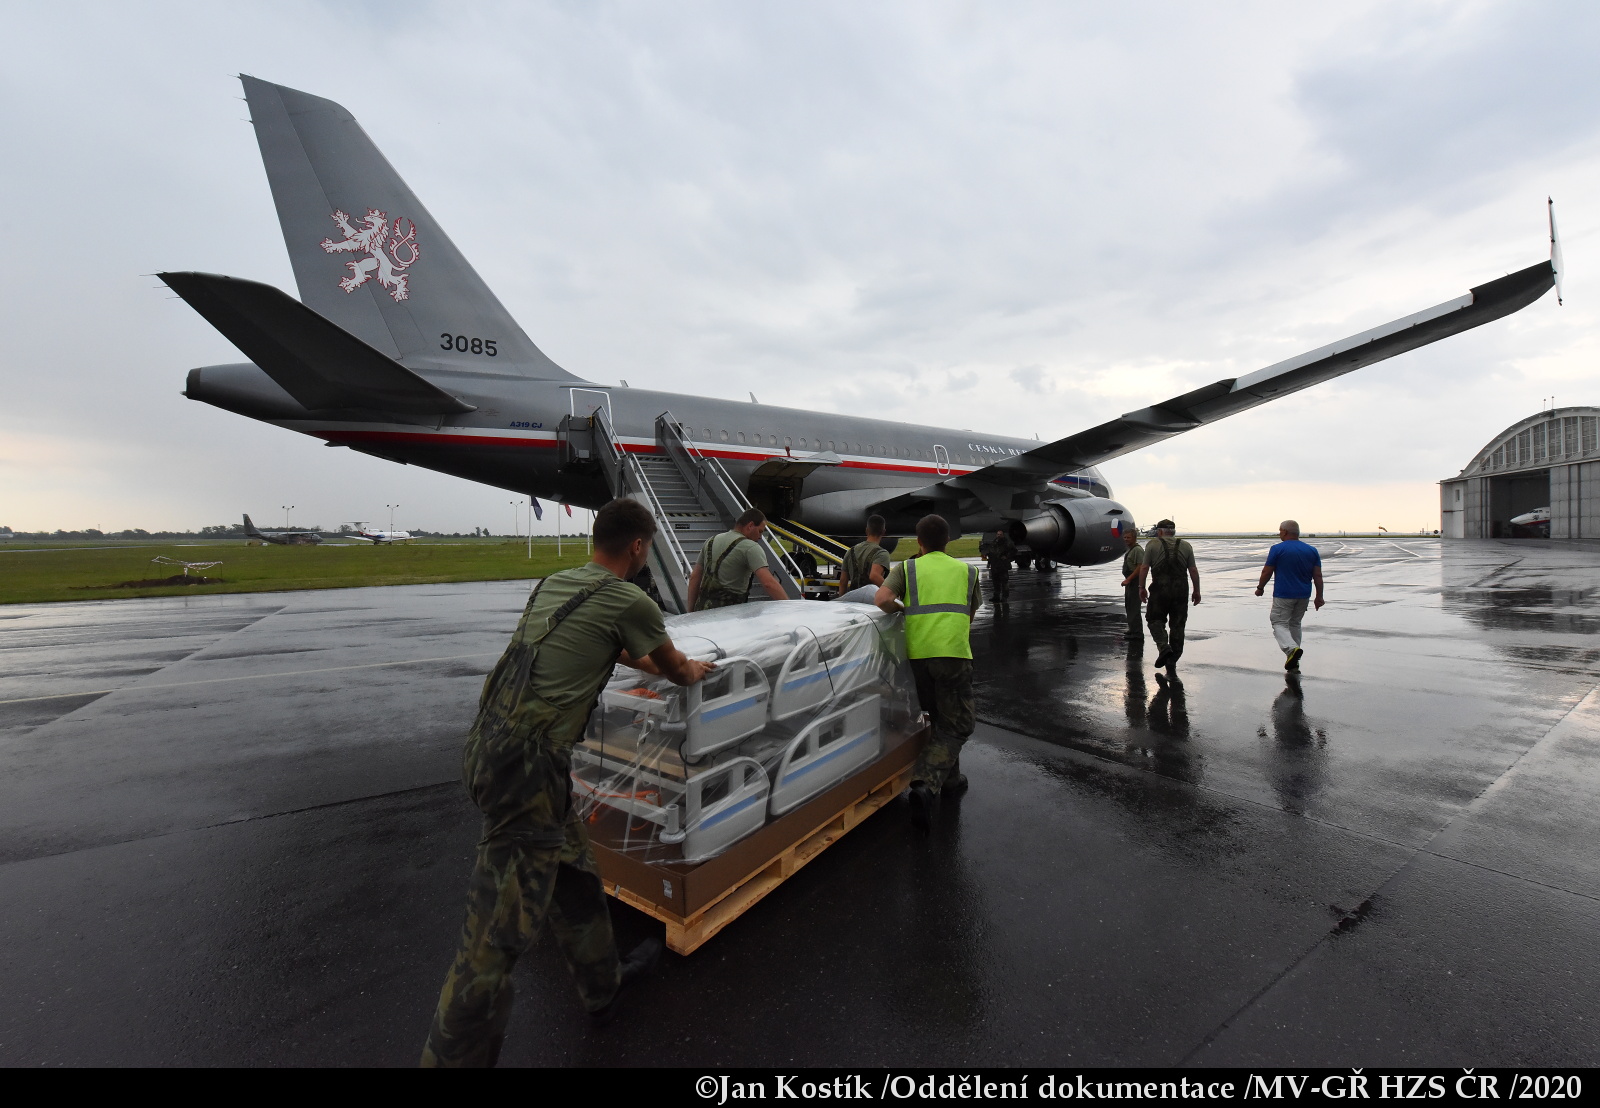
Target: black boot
[[921, 807], [640, 961]]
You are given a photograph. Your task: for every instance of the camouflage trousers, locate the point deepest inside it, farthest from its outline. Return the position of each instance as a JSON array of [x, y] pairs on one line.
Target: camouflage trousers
[[1000, 578], [533, 864], [944, 689], [1132, 605], [720, 598], [1168, 609]]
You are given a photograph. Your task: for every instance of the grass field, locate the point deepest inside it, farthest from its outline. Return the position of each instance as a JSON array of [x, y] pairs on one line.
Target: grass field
[[28, 576], [31, 573]]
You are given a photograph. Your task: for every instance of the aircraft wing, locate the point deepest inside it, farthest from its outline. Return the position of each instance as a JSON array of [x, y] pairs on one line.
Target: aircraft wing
[[316, 361], [1159, 422]]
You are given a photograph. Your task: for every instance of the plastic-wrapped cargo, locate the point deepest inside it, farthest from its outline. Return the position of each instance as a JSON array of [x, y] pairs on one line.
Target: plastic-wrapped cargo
[[804, 695]]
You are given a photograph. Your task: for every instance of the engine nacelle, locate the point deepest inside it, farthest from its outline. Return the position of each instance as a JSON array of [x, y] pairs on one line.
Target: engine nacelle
[[1082, 532]]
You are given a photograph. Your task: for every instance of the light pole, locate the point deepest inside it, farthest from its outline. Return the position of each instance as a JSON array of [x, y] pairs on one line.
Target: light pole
[[516, 518], [391, 508], [287, 508], [530, 528]]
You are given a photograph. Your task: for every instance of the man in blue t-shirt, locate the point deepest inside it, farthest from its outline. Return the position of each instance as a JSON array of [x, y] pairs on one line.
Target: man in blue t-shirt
[[1299, 568]]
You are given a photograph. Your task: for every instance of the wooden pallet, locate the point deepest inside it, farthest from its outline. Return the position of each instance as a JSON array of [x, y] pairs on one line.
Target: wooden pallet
[[686, 934]]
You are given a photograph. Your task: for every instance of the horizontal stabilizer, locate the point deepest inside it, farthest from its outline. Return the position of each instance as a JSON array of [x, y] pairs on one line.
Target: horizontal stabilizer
[[318, 363], [1147, 426]]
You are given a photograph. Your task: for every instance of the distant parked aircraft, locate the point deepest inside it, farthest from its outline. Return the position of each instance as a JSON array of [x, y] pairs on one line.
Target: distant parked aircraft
[[363, 531], [281, 538]]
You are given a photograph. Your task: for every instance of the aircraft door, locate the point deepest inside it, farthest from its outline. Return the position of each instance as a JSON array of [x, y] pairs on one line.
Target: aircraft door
[[585, 402], [941, 458]]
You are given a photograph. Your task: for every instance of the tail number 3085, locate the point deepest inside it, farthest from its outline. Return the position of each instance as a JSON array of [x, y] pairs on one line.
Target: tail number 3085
[[464, 345]]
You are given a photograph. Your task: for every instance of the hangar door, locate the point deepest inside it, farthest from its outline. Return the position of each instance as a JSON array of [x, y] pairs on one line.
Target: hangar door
[[1512, 495]]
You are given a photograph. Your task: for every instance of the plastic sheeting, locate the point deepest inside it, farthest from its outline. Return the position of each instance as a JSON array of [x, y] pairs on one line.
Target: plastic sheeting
[[804, 695]]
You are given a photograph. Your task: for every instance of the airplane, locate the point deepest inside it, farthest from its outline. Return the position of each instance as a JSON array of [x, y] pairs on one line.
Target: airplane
[[377, 538], [280, 538], [1536, 521], [398, 349]]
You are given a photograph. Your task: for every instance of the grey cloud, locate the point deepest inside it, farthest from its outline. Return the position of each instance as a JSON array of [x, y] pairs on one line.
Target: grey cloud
[[715, 196]]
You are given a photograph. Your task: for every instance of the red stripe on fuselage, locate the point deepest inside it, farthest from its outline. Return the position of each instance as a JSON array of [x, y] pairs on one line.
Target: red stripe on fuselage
[[433, 438]]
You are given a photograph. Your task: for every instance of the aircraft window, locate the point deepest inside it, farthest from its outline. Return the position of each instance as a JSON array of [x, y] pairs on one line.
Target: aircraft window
[[723, 435], [741, 436], [831, 446], [787, 442], [708, 434], [772, 440], [802, 442]]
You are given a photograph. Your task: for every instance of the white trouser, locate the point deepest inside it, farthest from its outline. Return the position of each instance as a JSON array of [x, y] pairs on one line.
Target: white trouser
[[1286, 617]]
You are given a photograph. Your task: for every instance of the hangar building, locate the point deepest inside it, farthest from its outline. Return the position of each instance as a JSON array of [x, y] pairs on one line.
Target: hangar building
[[1551, 459]]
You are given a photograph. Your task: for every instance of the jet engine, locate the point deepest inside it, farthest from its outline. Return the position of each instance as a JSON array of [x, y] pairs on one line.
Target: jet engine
[[1081, 532]]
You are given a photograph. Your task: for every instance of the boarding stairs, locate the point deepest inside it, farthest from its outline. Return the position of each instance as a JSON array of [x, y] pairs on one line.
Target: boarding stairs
[[691, 496]]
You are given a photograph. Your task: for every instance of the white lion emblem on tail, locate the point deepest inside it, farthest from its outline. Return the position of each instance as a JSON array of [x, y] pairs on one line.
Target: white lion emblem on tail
[[382, 259]]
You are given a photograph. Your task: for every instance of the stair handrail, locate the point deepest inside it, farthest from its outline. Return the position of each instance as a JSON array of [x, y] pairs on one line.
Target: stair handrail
[[734, 502], [625, 463], [671, 433]]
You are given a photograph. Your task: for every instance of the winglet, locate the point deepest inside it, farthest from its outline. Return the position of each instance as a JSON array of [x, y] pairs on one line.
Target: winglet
[[1555, 248]]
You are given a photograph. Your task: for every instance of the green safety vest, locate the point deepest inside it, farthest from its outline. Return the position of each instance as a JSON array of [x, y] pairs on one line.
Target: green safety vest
[[938, 621]]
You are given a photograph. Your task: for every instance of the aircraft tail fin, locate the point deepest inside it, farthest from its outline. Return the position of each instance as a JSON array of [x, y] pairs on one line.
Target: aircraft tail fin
[[250, 530], [368, 256]]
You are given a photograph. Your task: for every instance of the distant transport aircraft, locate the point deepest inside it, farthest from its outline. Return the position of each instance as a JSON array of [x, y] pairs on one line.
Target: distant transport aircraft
[[280, 538], [398, 349], [363, 531]]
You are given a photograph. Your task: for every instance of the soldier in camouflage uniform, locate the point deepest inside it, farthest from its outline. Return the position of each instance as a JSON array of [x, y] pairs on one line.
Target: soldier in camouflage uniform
[[534, 862], [998, 550], [867, 563], [727, 563], [1131, 587], [1167, 561]]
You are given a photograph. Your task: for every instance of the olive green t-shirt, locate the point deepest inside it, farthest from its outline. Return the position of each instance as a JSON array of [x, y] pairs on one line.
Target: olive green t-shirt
[[1131, 561], [576, 659], [896, 583], [859, 562], [1170, 560], [737, 568]]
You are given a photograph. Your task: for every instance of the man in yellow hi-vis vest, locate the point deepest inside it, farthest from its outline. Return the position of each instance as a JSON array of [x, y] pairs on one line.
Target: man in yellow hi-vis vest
[[939, 596]]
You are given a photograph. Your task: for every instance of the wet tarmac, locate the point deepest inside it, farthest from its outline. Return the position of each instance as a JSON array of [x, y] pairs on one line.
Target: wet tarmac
[[231, 833]]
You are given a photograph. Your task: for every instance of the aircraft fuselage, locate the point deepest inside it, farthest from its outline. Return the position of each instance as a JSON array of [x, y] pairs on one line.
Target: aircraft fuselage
[[512, 441]]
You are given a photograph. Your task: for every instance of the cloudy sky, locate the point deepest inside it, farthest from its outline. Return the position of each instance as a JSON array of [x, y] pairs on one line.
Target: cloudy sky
[[1025, 218]]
